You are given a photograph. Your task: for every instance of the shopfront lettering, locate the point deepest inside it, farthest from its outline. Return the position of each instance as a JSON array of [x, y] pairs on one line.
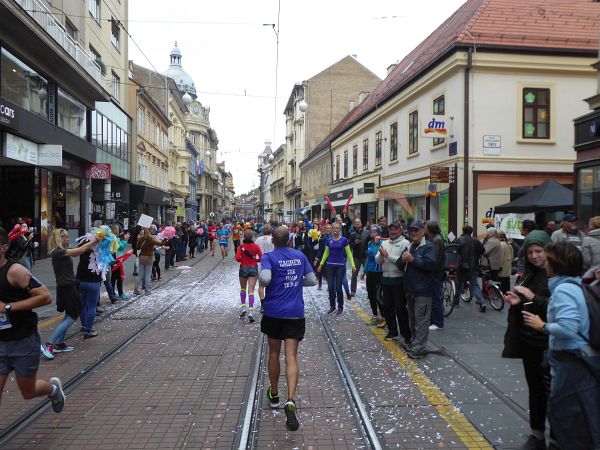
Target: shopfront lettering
[[6, 111], [98, 171]]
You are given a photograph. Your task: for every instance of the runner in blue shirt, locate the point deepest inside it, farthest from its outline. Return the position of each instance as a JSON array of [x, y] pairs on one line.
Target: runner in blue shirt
[[223, 236], [284, 272]]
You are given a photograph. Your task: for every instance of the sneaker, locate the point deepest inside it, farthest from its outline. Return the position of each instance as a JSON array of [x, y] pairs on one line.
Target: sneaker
[[273, 398], [482, 308], [339, 311], [291, 422], [413, 355], [390, 337], [47, 351], [99, 311], [533, 443], [374, 322], [332, 309], [90, 334], [434, 327], [114, 299], [58, 399], [124, 296], [251, 315], [406, 346], [381, 324], [349, 296], [60, 348], [244, 311]]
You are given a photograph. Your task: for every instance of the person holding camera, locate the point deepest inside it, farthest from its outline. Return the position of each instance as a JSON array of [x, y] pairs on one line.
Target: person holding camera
[[520, 341]]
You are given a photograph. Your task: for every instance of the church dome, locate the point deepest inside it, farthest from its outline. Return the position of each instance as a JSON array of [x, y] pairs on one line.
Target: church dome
[[182, 79]]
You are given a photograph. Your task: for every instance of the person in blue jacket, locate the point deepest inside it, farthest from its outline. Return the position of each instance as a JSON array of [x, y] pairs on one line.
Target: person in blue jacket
[[419, 264], [574, 401]]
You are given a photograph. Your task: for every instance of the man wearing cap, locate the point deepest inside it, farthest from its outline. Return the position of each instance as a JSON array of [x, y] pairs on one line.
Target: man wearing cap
[[392, 282], [420, 265], [568, 231]]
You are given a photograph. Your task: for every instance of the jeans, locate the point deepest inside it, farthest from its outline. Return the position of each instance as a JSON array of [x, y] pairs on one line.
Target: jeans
[[335, 278], [395, 312], [354, 278], [345, 284], [437, 305], [419, 314], [58, 335], [144, 277], [89, 298], [472, 276], [109, 289], [27, 263], [181, 250]]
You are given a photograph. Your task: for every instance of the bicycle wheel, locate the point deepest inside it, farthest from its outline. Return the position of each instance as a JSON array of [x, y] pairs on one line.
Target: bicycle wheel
[[466, 293], [495, 297], [448, 294]]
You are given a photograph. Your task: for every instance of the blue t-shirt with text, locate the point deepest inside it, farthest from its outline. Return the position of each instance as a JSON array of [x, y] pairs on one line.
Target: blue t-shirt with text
[[223, 235], [284, 298]]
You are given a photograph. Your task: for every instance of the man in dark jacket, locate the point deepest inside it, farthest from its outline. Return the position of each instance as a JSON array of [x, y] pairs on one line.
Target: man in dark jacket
[[437, 307], [471, 250], [358, 239], [420, 265], [133, 235]]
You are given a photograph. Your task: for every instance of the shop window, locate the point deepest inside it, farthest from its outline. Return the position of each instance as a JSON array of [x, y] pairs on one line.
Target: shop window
[[71, 115], [378, 145], [355, 159], [22, 85], [345, 163], [536, 113], [413, 133], [365, 155], [439, 108], [394, 141]]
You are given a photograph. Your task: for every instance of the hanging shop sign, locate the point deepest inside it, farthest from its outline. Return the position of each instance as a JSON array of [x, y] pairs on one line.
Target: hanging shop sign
[[98, 171], [434, 126]]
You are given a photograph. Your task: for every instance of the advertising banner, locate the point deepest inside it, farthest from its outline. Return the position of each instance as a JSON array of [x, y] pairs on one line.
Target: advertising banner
[[511, 223]]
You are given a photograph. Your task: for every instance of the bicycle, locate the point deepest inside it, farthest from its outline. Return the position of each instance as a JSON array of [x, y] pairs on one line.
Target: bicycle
[[490, 290], [449, 289]]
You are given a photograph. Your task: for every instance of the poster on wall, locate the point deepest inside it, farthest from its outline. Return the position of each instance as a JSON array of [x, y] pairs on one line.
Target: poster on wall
[[511, 223]]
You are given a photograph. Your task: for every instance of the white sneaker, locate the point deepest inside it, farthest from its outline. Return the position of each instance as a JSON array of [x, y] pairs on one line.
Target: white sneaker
[[433, 327], [243, 312]]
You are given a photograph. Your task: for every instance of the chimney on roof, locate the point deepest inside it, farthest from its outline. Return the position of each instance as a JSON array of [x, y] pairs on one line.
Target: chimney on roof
[[351, 105], [391, 67], [362, 96]]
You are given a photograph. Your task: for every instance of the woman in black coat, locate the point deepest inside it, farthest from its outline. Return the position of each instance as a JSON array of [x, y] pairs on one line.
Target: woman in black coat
[[520, 341]]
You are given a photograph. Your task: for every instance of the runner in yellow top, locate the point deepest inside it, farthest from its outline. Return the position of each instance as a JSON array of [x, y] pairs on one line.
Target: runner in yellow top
[[236, 235]]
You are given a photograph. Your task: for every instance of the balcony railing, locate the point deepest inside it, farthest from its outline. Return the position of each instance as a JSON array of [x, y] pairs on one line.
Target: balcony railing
[[44, 17]]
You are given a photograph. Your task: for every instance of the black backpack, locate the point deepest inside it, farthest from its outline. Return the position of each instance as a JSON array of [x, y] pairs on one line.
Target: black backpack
[[591, 293], [452, 256]]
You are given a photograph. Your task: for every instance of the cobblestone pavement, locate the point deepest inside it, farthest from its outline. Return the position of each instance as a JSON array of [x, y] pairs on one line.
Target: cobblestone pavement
[[183, 382]]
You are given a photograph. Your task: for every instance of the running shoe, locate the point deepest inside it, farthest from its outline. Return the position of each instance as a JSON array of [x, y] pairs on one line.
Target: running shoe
[[273, 398], [60, 348], [244, 311], [47, 351], [374, 322], [390, 337], [58, 399], [124, 296], [413, 355], [251, 315], [90, 334], [382, 323], [291, 422], [339, 311]]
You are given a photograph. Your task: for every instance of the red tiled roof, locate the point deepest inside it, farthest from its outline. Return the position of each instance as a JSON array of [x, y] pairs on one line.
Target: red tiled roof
[[534, 25]]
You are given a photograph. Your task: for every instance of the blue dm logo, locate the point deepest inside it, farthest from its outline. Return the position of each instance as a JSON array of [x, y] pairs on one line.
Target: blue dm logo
[[437, 127]]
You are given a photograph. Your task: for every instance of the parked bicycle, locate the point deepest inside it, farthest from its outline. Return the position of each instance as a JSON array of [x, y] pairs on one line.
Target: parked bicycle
[[449, 289], [490, 290]]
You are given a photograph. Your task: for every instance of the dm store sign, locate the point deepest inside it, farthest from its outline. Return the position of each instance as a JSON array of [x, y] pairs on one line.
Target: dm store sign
[[434, 126]]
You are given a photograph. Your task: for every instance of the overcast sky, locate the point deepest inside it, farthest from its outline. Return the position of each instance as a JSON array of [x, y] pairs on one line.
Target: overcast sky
[[230, 55]]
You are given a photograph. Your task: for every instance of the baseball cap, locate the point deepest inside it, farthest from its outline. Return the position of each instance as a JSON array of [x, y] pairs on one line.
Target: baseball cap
[[569, 217], [396, 224], [418, 224], [376, 228]]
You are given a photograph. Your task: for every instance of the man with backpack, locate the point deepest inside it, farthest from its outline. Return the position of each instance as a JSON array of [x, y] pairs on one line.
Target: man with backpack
[[468, 266]]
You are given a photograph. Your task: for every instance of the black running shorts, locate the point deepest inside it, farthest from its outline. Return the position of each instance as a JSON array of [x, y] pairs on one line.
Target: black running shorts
[[248, 271], [283, 328]]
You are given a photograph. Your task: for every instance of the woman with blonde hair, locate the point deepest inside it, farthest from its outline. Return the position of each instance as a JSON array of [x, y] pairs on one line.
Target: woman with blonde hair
[[145, 244], [67, 298]]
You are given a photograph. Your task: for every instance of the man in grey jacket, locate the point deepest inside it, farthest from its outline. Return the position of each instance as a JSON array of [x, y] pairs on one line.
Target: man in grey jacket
[[394, 296]]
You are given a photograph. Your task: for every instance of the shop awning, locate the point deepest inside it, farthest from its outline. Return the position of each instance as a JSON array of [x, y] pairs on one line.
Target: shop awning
[[548, 196]]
